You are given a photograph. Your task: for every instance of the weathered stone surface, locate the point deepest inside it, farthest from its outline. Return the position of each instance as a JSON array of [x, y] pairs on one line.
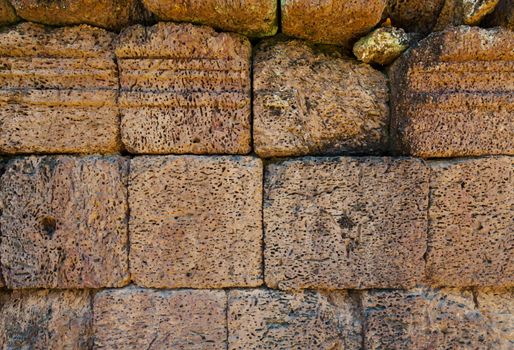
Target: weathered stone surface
[[184, 89], [475, 10], [330, 21], [3, 165], [381, 46], [7, 13], [337, 223], [415, 15], [135, 318], [311, 102], [45, 319], [470, 223], [269, 319], [109, 14], [195, 221], [503, 15], [255, 18], [64, 222], [58, 90], [426, 319], [453, 95], [497, 305]]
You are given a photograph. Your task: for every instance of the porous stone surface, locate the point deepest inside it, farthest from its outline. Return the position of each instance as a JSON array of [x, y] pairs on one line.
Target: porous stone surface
[[135, 318], [43, 319], [497, 305], [336, 22], [58, 90], [475, 10], [503, 15], [108, 14], [338, 223], [254, 18], [7, 13], [64, 222], [269, 319], [195, 221], [453, 94], [381, 46], [415, 15], [470, 223], [312, 102], [184, 89], [3, 165], [426, 319]]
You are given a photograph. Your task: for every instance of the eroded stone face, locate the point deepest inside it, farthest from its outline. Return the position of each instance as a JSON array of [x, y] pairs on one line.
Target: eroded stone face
[[470, 222], [135, 318], [497, 306], [184, 89], [58, 90], [453, 94], [311, 102], [45, 319], [336, 22], [269, 319], [109, 14], [344, 223], [64, 222], [426, 319], [7, 13], [255, 18], [195, 221]]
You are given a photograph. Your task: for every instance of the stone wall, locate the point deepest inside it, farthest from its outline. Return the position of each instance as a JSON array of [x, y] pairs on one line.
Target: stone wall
[[224, 174]]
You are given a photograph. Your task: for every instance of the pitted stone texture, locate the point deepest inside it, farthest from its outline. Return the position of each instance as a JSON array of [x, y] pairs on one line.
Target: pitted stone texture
[[3, 166], [43, 319], [497, 305], [108, 14], [64, 222], [269, 319], [471, 229], [7, 13], [255, 18], [453, 95], [184, 89], [195, 221], [338, 223], [135, 318], [336, 22], [311, 102], [426, 319], [381, 46], [58, 90], [415, 15]]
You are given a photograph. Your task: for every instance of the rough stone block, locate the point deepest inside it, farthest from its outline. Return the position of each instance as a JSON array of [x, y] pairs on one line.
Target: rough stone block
[[196, 221], [58, 90], [415, 15], [470, 234], [269, 319], [43, 319], [453, 95], [184, 89], [336, 22], [134, 318], [337, 223], [497, 305], [426, 319], [64, 222], [108, 14], [255, 18], [312, 102], [7, 13]]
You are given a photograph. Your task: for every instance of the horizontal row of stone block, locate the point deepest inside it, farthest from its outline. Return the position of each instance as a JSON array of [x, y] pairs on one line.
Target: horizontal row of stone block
[[212, 222], [185, 89], [135, 318], [329, 21]]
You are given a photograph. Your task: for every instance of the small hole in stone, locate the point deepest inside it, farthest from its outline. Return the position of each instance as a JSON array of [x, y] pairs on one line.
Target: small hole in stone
[[346, 222], [48, 225]]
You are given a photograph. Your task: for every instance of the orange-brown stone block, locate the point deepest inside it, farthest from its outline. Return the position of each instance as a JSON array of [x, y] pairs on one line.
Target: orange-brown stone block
[[336, 22], [184, 89], [195, 221], [135, 318], [109, 14], [471, 229], [7, 13], [43, 319], [312, 102], [64, 222], [338, 223], [58, 90], [255, 18], [453, 95], [497, 306]]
